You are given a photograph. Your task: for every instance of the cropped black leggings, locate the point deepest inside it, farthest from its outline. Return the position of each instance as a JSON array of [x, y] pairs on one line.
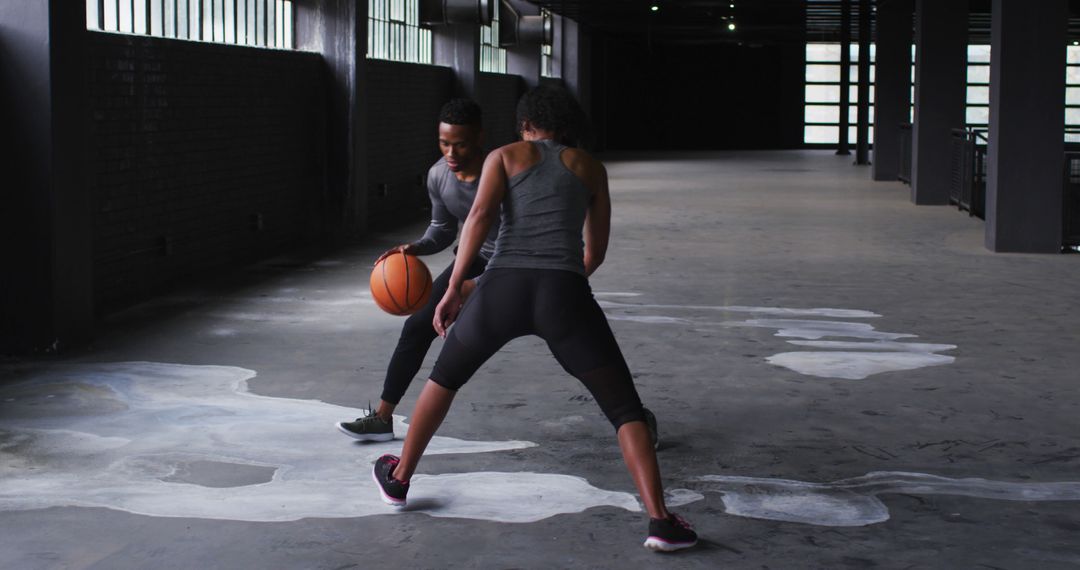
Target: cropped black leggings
[[555, 305]]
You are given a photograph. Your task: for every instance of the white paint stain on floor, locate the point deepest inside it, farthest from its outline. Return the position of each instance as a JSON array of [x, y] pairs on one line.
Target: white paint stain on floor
[[872, 352], [854, 502], [190, 441]]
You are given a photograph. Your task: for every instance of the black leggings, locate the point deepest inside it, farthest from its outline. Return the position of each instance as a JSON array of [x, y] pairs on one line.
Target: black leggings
[[555, 305], [417, 336]]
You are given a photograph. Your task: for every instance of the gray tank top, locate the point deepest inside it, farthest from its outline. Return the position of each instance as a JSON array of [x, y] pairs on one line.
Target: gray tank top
[[543, 214]]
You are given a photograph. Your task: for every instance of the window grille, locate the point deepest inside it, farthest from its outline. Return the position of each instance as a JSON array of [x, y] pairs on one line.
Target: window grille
[[492, 57], [262, 23], [821, 118], [394, 32]]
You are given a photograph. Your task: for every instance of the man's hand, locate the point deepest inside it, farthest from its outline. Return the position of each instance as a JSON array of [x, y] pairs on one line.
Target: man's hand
[[406, 248]]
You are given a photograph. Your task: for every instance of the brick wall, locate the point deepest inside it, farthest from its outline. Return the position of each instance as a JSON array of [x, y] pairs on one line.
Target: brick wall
[[199, 156], [498, 98], [402, 101]]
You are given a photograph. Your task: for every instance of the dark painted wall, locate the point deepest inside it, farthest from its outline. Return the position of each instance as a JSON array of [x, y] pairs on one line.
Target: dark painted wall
[[697, 97], [403, 102], [200, 155]]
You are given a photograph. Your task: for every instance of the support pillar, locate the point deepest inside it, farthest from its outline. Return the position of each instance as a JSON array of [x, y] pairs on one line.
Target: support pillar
[[843, 148], [47, 294], [892, 86], [457, 46], [338, 30], [941, 32], [1027, 107], [862, 121], [523, 59]]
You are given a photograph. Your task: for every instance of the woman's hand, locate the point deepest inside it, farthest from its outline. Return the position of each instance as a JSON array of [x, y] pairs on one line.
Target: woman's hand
[[447, 310]]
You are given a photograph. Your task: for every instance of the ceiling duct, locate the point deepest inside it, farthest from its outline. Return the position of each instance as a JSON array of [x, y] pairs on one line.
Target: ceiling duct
[[515, 29], [442, 12]]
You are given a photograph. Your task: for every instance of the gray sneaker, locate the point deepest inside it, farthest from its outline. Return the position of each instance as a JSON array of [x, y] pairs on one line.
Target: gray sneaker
[[654, 433], [368, 428]]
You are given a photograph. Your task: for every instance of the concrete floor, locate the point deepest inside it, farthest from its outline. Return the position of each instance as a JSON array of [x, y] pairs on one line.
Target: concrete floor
[[713, 258]]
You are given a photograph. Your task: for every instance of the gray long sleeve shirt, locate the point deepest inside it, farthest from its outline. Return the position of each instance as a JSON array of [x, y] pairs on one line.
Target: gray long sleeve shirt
[[451, 200]]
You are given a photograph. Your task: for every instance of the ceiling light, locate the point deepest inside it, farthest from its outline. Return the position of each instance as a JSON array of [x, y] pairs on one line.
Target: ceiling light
[[731, 26], [655, 8]]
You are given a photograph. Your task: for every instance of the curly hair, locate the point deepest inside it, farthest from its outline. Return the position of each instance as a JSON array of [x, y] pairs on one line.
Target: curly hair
[[553, 109], [461, 112]]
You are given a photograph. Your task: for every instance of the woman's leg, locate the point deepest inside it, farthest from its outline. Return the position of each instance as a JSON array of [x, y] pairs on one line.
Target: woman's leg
[[430, 411], [579, 337], [485, 324], [640, 458]]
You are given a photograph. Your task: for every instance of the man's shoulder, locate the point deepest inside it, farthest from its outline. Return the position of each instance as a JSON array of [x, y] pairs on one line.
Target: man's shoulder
[[439, 168]]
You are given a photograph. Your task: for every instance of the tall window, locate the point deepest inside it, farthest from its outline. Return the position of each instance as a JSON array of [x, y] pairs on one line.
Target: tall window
[[394, 32], [1072, 94], [977, 112], [821, 118], [492, 57], [547, 51], [263, 23]]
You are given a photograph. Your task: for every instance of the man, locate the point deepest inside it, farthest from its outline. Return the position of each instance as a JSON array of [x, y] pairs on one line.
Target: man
[[451, 183]]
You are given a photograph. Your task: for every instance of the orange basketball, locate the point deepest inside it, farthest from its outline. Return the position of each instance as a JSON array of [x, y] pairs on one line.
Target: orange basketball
[[400, 284]]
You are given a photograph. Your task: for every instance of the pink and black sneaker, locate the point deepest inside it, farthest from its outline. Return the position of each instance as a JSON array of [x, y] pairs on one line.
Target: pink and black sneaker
[[670, 534], [393, 491]]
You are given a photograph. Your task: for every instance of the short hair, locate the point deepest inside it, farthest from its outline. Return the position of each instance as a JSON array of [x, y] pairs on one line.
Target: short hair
[[461, 112], [554, 109]]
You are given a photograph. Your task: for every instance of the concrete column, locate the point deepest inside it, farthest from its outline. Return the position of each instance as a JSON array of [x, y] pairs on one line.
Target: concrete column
[[337, 29], [47, 295], [843, 148], [940, 90], [1027, 107], [862, 122], [575, 55], [524, 58], [457, 46], [892, 86]]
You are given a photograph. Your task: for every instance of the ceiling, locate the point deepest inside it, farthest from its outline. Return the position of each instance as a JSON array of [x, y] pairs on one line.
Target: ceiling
[[755, 21]]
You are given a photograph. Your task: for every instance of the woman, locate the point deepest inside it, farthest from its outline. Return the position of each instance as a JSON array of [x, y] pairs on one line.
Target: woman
[[549, 195]]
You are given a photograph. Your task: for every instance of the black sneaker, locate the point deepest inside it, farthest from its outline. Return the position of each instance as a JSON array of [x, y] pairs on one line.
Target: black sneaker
[[670, 534], [368, 428], [393, 491], [654, 433]]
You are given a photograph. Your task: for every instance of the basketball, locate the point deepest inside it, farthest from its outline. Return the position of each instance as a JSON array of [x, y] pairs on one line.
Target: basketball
[[400, 284]]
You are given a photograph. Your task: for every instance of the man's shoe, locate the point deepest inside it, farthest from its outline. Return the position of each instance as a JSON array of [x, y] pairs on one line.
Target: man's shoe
[[393, 491], [670, 534], [368, 428], [654, 433]]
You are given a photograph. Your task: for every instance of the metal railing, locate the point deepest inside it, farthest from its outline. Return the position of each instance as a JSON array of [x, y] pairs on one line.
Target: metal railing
[[905, 153], [967, 184], [1070, 215]]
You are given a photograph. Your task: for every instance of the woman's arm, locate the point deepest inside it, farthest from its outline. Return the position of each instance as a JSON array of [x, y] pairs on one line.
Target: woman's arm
[[597, 220], [485, 208]]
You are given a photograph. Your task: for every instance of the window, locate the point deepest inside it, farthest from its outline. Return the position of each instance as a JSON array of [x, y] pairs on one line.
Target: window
[[263, 23], [977, 111], [394, 32], [821, 119], [492, 57], [547, 51], [1072, 94]]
